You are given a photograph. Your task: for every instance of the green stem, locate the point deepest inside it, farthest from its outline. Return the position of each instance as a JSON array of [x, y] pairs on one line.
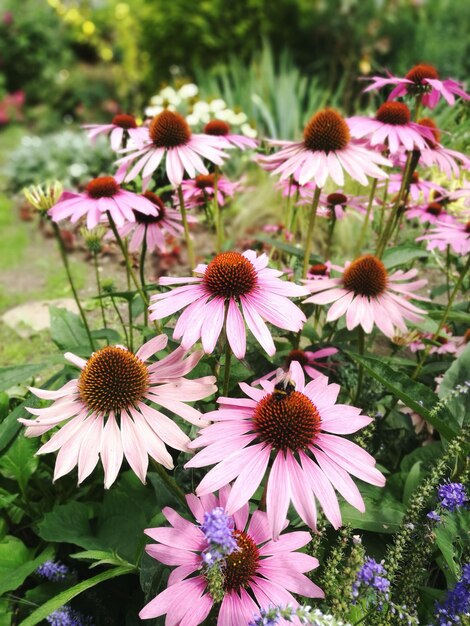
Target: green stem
[[311, 225], [170, 482], [129, 306], [388, 230], [65, 261], [361, 344], [363, 619], [187, 234], [118, 313], [219, 233], [127, 259], [365, 224], [98, 285], [142, 271], [228, 354], [331, 230], [454, 293]]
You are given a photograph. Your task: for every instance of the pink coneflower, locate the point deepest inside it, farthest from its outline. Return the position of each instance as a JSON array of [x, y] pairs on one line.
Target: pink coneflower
[[120, 125], [391, 127], [169, 135], [200, 190], [309, 360], [419, 424], [153, 227], [464, 193], [445, 344], [227, 139], [292, 422], [337, 202], [431, 213], [108, 413], [421, 81], [259, 572], [290, 187], [456, 235], [368, 295], [418, 187], [278, 229], [101, 195], [326, 151], [434, 153], [319, 271], [232, 281]]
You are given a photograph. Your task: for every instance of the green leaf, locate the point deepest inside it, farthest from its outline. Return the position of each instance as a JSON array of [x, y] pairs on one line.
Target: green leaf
[[100, 557], [402, 255], [62, 598], [6, 616], [68, 523], [413, 394], [10, 425], [13, 375], [451, 538], [19, 461], [16, 563], [383, 514], [287, 247], [67, 330], [453, 315], [456, 379], [412, 480]]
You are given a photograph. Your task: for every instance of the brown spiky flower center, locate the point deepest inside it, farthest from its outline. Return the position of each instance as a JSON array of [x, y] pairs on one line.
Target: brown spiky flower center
[[230, 275], [421, 71], [142, 218], [319, 269], [241, 565], [429, 123], [124, 121], [113, 379], [102, 187], [467, 227], [169, 130], [296, 355], [218, 128], [205, 180], [466, 336], [336, 198], [415, 178], [434, 208], [287, 420], [327, 131], [395, 113], [366, 276]]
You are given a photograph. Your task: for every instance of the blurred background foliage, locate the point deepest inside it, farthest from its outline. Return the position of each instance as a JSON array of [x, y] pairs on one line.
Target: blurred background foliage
[[75, 58]]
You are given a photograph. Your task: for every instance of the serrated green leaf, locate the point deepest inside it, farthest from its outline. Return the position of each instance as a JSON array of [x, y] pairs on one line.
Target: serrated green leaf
[[68, 523], [413, 394], [383, 514], [16, 563], [67, 329], [19, 461], [454, 387]]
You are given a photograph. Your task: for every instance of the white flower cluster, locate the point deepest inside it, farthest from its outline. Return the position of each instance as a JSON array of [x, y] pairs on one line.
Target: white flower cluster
[[200, 112]]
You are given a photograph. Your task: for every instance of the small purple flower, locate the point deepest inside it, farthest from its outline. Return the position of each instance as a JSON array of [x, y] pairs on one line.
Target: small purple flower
[[372, 575], [434, 516], [456, 603], [53, 571], [66, 616], [452, 496], [218, 529]]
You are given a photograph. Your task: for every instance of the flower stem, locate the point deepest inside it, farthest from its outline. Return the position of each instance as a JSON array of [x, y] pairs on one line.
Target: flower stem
[[143, 253], [219, 231], [98, 285], [311, 225], [187, 234], [388, 230], [65, 261], [125, 254], [331, 230], [365, 223], [170, 482], [129, 305], [118, 313], [361, 344]]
